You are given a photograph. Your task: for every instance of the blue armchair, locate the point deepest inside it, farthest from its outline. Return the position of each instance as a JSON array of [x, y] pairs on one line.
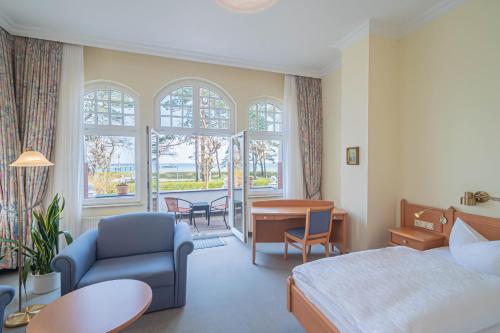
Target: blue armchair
[[148, 247], [6, 295]]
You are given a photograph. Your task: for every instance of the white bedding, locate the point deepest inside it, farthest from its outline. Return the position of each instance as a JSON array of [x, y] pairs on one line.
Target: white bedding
[[398, 289]]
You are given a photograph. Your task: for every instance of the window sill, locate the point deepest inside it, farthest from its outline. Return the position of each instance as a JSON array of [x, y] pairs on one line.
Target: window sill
[[112, 204], [265, 195]]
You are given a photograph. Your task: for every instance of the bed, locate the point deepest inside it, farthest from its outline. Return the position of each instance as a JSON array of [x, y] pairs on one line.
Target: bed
[[404, 290]]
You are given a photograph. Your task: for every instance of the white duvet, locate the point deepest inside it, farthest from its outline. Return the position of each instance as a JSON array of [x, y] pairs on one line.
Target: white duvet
[[398, 289]]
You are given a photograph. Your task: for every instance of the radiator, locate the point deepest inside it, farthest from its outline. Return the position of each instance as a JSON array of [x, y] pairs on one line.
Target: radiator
[[90, 222]]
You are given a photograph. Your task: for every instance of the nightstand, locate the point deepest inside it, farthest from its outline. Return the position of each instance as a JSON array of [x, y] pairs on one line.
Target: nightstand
[[415, 238]]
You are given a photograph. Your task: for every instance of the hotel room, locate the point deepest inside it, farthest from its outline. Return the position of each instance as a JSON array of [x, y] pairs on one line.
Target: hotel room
[[319, 166]]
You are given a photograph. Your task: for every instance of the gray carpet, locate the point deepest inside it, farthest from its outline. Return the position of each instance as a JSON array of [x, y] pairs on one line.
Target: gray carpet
[[226, 293]]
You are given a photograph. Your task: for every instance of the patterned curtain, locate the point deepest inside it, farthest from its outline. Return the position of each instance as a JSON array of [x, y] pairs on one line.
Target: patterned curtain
[[9, 147], [309, 105], [36, 73]]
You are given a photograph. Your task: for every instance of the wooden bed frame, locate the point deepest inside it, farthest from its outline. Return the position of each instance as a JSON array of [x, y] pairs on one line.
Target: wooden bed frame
[[313, 320]]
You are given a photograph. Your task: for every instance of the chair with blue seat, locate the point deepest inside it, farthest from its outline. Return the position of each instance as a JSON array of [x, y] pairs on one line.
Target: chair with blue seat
[[149, 247], [316, 231], [6, 295]]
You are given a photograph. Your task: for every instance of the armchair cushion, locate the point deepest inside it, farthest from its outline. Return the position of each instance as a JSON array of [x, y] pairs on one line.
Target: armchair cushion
[[132, 234], [155, 269]]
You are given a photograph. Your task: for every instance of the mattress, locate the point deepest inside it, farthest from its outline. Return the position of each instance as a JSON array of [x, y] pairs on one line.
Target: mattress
[[398, 289]]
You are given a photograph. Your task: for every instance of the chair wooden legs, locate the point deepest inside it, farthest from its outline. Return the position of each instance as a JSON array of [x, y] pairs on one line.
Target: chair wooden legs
[[286, 249], [327, 250], [304, 254]]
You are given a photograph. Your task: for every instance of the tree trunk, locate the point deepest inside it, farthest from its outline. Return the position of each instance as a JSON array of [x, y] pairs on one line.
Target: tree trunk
[[196, 166], [218, 163]]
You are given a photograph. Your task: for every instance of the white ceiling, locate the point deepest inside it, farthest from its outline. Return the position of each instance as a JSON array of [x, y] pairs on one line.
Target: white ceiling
[[294, 36]]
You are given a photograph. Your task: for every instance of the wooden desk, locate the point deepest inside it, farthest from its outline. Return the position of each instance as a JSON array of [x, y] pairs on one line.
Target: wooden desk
[[270, 222], [102, 307]]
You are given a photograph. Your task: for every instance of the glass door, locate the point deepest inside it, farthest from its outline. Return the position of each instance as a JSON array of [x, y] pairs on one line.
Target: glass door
[[238, 185], [153, 180]]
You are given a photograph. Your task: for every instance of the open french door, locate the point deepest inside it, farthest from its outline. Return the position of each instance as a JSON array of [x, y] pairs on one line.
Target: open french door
[[153, 182], [238, 186]]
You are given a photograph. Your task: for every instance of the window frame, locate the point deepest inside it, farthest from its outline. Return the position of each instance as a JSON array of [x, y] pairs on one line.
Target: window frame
[[114, 130], [196, 84], [268, 135]]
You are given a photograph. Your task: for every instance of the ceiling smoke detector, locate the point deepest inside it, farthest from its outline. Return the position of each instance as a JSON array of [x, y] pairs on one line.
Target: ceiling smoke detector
[[246, 6]]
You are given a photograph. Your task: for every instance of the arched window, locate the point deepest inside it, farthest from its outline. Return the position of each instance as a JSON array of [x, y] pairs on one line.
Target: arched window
[[194, 118], [198, 105], [110, 136], [265, 146]]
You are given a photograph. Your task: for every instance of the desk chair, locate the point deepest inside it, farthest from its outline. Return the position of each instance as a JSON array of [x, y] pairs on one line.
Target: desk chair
[[317, 231], [178, 207]]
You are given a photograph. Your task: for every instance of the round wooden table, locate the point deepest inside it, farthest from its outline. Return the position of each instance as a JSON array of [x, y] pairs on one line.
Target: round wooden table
[[103, 307]]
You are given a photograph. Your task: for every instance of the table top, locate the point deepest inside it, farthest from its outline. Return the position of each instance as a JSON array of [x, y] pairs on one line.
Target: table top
[[103, 307], [200, 204], [299, 211]]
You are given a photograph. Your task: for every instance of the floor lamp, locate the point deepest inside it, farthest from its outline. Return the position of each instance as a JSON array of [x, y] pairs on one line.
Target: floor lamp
[[28, 159]]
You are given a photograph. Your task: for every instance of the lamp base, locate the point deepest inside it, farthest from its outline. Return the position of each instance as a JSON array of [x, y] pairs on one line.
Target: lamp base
[[23, 318]]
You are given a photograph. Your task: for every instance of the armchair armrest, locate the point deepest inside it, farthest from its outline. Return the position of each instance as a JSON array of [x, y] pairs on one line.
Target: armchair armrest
[[6, 295], [183, 246], [75, 260]]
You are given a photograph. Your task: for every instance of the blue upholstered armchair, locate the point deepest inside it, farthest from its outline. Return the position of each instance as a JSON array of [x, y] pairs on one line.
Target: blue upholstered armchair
[[148, 247], [6, 295]]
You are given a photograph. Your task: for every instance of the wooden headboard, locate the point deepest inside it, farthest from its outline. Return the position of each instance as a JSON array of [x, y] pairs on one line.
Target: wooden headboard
[[489, 227], [408, 218]]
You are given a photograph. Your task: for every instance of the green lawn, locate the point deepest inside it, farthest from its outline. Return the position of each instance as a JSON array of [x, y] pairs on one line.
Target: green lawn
[[105, 183]]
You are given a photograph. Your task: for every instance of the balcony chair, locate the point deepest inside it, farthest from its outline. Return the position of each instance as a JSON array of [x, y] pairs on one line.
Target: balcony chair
[[178, 207], [317, 231], [6, 295], [220, 205], [149, 247]]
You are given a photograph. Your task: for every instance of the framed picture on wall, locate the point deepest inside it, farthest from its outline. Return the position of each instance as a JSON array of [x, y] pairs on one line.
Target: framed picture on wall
[[352, 155]]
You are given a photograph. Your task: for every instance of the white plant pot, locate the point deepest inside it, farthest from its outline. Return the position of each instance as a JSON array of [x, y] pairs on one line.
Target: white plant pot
[[46, 283]]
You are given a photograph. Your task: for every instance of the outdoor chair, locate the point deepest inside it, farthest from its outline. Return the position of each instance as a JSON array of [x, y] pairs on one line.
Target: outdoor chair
[[220, 205], [179, 207]]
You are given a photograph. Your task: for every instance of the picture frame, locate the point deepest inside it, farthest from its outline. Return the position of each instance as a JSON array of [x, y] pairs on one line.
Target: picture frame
[[352, 155]]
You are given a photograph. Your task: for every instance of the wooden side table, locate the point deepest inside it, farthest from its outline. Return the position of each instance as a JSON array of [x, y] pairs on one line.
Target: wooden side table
[[415, 238]]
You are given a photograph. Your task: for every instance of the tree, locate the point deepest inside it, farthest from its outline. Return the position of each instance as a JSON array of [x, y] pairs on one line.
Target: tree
[[167, 142], [100, 151]]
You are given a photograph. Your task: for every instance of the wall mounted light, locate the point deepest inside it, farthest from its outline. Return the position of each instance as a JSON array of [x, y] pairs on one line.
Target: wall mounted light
[[442, 218], [473, 198]]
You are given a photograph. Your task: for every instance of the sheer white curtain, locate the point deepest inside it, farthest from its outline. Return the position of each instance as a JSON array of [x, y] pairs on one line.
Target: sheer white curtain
[[293, 173], [67, 173]]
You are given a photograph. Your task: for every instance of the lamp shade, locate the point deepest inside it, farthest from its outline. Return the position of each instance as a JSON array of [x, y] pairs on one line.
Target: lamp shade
[[246, 6], [31, 158]]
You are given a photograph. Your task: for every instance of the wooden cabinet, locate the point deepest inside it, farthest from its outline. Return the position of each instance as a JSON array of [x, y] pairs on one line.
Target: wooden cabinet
[[415, 238]]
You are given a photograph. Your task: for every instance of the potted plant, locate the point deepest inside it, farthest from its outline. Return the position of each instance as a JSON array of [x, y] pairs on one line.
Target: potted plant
[[122, 187], [45, 234]]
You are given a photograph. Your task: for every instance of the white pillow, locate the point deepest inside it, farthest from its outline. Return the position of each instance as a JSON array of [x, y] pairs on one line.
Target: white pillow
[[472, 250]]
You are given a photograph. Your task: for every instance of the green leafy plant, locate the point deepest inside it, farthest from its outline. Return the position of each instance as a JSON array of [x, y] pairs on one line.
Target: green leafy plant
[[45, 232]]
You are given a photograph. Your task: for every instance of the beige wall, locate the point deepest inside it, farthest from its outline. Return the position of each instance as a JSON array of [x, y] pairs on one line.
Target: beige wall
[[432, 104], [146, 75], [450, 110], [354, 132], [331, 136], [383, 139]]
